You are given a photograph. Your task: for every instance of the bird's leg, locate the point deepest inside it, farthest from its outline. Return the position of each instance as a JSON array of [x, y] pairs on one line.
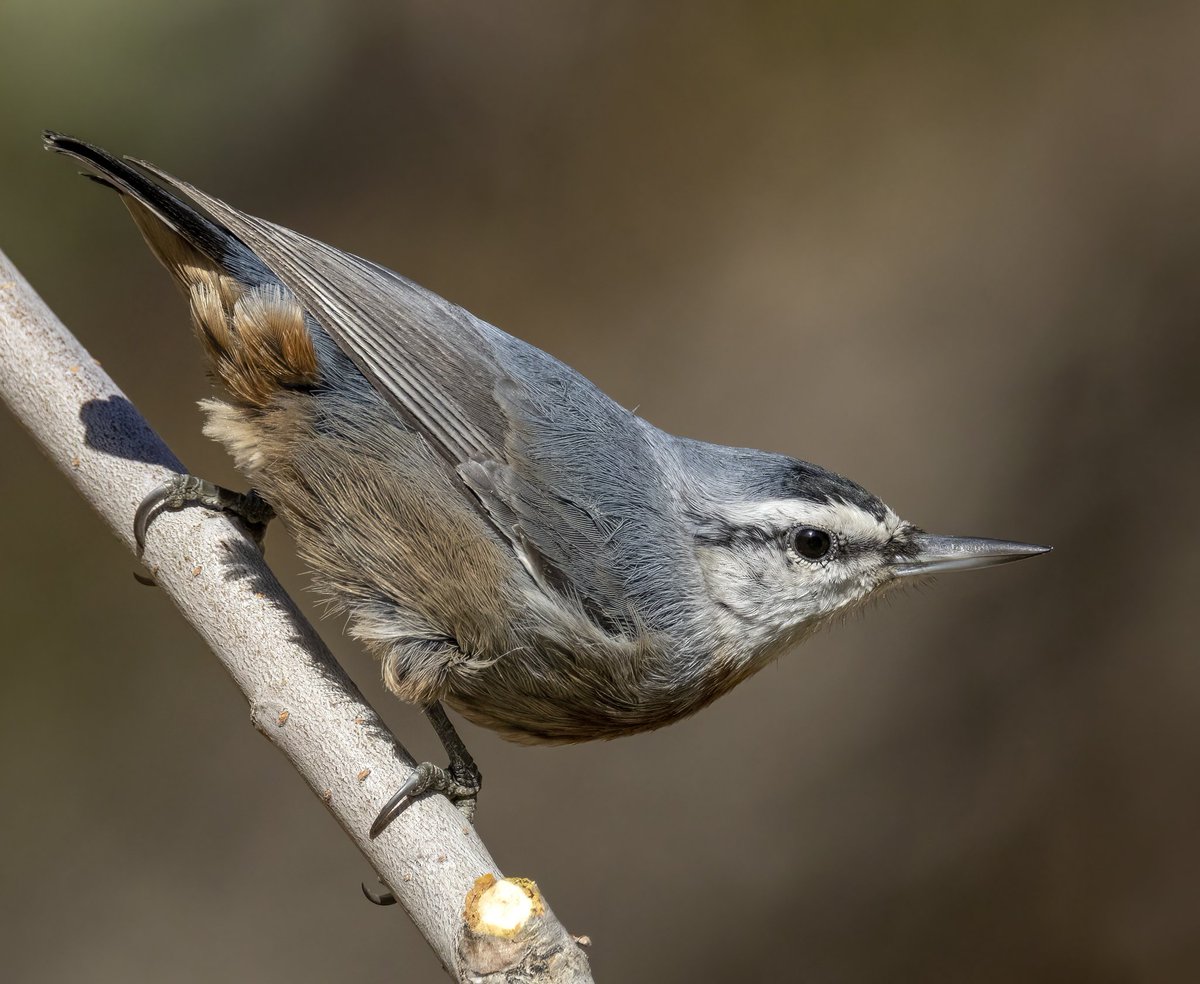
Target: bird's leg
[[186, 490], [460, 782]]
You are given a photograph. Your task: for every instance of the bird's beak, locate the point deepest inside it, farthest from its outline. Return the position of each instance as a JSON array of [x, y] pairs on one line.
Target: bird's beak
[[930, 554]]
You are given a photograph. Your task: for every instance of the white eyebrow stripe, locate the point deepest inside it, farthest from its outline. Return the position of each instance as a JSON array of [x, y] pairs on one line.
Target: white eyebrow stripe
[[781, 514]]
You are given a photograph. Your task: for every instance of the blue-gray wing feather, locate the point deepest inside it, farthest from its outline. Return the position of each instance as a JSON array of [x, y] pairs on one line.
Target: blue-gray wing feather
[[557, 466]]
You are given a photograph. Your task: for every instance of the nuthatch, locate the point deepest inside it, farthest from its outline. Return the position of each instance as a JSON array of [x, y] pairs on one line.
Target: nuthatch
[[502, 535]]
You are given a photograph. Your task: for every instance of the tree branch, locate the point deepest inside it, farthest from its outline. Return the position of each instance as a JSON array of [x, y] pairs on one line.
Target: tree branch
[[481, 928]]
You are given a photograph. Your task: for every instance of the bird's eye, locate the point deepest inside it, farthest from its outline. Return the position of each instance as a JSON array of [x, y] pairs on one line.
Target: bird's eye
[[810, 542]]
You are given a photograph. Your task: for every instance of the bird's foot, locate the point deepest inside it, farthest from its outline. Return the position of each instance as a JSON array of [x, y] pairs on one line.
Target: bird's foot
[[188, 490], [185, 490], [460, 784]]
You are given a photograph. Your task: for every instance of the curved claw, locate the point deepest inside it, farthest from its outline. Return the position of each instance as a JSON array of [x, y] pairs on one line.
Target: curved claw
[[460, 783], [381, 898], [415, 783], [146, 510], [177, 492]]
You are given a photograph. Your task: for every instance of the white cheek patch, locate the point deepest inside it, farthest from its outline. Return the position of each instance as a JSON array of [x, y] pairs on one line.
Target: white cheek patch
[[757, 594], [764, 594], [767, 592]]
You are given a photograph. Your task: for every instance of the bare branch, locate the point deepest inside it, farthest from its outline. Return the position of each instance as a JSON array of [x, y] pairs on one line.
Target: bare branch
[[300, 698]]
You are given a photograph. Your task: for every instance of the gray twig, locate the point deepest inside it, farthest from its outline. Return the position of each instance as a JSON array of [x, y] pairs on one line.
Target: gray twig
[[300, 698]]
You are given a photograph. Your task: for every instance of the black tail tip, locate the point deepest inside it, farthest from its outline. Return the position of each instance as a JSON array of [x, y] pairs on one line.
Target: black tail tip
[[53, 140]]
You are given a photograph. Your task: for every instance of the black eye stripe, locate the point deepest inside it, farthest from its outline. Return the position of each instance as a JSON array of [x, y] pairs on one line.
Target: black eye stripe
[[716, 533]]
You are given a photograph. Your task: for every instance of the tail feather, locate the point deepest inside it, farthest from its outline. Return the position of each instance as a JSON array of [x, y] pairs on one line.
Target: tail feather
[[180, 216], [252, 329]]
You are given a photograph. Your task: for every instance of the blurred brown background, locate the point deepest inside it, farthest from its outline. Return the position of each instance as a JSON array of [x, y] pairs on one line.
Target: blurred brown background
[[947, 249]]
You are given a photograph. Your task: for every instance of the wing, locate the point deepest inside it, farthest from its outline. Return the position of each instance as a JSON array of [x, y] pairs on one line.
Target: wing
[[423, 354], [523, 432]]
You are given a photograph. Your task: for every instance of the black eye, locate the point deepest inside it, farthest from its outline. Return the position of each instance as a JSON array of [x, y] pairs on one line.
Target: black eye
[[810, 542]]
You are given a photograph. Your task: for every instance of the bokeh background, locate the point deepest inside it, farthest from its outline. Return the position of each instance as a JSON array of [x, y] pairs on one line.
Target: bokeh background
[[948, 249]]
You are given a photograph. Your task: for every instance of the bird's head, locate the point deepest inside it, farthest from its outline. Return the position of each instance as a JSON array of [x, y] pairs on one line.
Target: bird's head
[[784, 544]]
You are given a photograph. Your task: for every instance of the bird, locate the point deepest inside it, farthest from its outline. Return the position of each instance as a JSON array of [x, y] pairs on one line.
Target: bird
[[506, 539]]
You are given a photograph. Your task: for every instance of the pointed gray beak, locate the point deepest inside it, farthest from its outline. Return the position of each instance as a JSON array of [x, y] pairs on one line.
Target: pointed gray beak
[[960, 553]]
